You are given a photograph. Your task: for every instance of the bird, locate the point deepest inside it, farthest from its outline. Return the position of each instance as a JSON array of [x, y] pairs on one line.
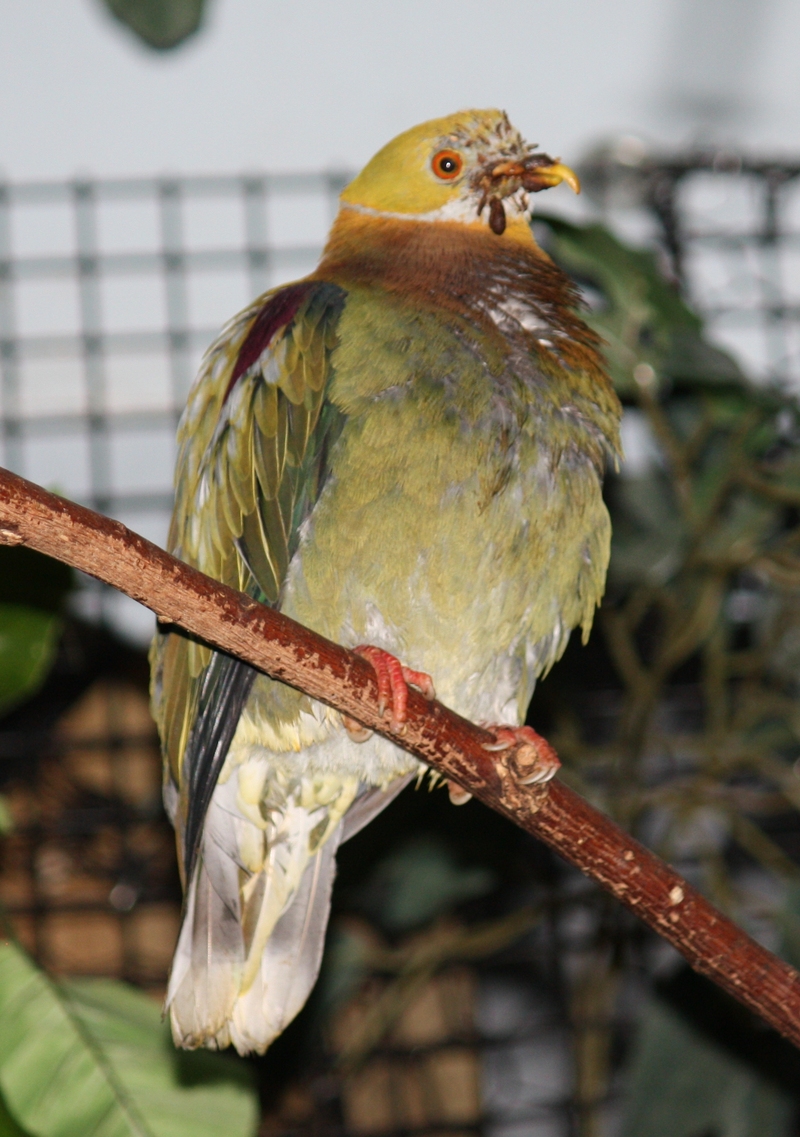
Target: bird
[[404, 451]]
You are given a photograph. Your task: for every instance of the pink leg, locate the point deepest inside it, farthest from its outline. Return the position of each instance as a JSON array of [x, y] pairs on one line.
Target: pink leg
[[393, 682], [535, 755]]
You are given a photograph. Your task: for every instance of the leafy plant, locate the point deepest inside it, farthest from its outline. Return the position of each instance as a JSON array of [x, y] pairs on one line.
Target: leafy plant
[[682, 718], [711, 1068], [89, 1057], [92, 1058], [702, 613], [8, 1126], [682, 1085], [32, 591], [161, 24]]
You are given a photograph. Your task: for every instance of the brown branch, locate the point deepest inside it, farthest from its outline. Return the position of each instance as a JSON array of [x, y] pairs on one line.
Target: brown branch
[[774, 491], [234, 623]]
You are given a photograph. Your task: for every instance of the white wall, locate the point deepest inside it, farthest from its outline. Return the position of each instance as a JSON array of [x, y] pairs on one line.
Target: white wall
[[279, 85]]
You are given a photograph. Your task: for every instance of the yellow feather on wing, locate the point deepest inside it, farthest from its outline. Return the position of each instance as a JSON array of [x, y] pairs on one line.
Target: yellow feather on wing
[[236, 497]]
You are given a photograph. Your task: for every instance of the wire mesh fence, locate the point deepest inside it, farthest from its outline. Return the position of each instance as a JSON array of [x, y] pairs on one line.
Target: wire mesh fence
[[110, 291], [729, 231]]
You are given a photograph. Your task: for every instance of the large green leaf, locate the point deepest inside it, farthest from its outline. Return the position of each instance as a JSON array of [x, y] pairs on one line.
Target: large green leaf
[[93, 1059], [161, 24], [8, 1126], [418, 882], [32, 592], [32, 579], [639, 314], [28, 641], [684, 1086]]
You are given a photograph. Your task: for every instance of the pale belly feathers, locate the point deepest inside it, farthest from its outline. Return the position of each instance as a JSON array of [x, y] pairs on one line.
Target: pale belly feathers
[[414, 547]]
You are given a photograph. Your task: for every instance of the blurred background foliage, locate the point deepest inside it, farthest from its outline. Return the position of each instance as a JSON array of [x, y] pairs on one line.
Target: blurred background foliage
[[33, 589], [90, 1056], [94, 1057], [679, 719], [160, 24]]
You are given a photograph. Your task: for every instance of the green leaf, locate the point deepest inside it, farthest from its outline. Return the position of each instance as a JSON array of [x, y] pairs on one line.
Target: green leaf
[[6, 819], [683, 1086], [32, 592], [32, 579], [161, 24], [93, 1059], [648, 534], [789, 924], [8, 1126], [639, 314], [418, 882], [28, 642], [344, 967]]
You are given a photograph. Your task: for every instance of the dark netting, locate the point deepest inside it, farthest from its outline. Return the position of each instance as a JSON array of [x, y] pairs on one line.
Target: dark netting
[[502, 998]]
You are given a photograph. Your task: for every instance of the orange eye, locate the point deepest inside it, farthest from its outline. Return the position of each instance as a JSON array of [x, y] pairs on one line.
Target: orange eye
[[447, 165]]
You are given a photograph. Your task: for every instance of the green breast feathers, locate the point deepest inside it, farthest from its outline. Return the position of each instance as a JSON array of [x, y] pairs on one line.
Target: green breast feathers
[[384, 471]]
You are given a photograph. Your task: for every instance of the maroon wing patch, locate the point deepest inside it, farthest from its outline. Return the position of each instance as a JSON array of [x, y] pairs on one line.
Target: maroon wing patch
[[278, 311]]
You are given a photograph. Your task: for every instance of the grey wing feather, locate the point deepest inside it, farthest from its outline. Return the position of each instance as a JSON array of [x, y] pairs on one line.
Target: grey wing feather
[[210, 945], [369, 803], [224, 690], [291, 960]]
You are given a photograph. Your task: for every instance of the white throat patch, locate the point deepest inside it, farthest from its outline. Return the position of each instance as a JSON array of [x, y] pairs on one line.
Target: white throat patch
[[459, 209]]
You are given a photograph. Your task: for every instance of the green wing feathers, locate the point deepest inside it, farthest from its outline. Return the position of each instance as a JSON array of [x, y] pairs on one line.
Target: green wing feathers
[[253, 446]]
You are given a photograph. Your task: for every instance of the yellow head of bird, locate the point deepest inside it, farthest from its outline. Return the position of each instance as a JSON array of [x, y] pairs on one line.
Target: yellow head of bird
[[473, 166]]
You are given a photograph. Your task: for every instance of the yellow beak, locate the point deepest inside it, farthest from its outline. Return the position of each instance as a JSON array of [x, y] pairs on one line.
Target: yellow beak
[[537, 175], [548, 176]]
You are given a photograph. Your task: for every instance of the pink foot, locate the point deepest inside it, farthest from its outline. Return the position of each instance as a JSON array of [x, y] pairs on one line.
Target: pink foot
[[393, 682], [536, 759]]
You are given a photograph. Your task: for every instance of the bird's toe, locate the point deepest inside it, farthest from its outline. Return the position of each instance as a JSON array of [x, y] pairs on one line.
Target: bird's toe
[[355, 731], [535, 760], [394, 680], [458, 796]]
